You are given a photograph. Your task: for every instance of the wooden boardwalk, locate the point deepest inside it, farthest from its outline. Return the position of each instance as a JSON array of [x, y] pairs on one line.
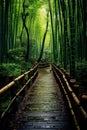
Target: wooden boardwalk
[[43, 107]]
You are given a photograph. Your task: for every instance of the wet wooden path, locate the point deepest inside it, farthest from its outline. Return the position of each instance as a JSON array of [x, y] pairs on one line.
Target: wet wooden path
[[43, 107]]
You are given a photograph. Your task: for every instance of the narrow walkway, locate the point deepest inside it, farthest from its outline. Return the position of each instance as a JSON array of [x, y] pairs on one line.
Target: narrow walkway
[[43, 107]]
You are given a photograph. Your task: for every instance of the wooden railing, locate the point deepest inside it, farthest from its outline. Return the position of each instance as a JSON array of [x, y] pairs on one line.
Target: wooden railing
[[70, 91], [12, 93]]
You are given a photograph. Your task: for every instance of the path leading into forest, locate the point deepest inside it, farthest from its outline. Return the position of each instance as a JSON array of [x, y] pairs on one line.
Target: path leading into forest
[[43, 107]]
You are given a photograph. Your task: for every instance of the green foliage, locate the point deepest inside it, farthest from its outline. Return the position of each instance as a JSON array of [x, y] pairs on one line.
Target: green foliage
[[81, 75], [15, 64], [11, 69], [81, 70], [17, 54], [7, 69], [3, 71]]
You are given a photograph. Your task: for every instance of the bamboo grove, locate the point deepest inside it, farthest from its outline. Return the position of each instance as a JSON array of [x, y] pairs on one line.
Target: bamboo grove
[[20, 27]]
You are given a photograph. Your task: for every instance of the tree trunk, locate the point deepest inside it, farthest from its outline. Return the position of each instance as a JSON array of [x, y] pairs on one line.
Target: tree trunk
[[64, 12], [72, 32], [56, 31], [1, 30], [24, 15], [84, 18], [28, 45], [44, 37], [53, 37]]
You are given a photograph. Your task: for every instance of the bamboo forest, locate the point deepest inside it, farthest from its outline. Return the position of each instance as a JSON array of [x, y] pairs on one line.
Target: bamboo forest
[[41, 32]]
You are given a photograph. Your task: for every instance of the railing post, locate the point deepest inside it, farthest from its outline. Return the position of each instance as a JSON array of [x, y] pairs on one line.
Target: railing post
[[13, 93], [72, 82], [68, 76], [76, 89], [22, 82], [29, 75], [75, 86], [83, 100], [36, 70], [33, 71]]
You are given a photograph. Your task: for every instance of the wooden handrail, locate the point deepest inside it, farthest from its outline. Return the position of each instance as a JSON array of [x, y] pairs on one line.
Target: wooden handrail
[[69, 93], [9, 85], [17, 94], [32, 76], [77, 101]]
